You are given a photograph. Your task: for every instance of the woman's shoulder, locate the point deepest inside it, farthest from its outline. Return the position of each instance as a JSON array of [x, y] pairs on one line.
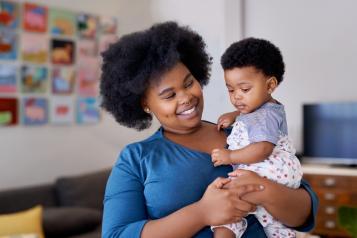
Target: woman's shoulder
[[149, 143]]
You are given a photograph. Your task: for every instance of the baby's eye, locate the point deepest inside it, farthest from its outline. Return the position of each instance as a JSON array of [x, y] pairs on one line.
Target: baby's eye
[[230, 90], [245, 90]]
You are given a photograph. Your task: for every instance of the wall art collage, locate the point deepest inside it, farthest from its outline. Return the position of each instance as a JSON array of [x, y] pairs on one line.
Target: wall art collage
[[50, 64]]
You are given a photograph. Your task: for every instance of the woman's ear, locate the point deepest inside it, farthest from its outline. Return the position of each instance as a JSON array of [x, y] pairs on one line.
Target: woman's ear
[[272, 83], [145, 106]]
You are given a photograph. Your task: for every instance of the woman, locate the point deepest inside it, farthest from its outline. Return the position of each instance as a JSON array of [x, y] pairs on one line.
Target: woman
[[166, 185]]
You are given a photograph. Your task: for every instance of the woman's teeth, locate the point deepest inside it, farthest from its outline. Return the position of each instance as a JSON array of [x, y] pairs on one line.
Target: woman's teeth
[[188, 111]]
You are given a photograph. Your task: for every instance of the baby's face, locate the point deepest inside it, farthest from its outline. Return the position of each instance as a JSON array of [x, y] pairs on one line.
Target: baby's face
[[248, 88]]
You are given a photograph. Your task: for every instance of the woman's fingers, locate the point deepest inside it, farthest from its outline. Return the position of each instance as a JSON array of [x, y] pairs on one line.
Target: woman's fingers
[[220, 182]]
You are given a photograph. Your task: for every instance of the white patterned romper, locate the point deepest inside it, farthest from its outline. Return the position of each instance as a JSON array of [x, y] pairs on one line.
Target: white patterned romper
[[267, 123]]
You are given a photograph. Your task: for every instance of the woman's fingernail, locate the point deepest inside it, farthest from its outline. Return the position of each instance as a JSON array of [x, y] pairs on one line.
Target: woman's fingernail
[[261, 187]]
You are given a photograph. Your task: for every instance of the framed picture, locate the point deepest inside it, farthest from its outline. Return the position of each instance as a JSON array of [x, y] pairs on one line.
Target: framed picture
[[34, 111], [62, 52], [35, 18], [87, 111], [8, 111], [34, 48], [62, 110], [63, 80], [9, 14], [62, 22], [8, 44], [34, 79], [105, 41], [88, 76], [8, 75], [87, 48], [108, 25], [87, 25]]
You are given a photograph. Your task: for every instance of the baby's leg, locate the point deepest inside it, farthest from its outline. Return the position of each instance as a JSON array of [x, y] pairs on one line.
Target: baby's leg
[[279, 231], [235, 229]]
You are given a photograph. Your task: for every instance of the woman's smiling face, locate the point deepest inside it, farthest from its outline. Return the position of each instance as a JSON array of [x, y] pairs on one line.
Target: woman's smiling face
[[176, 100]]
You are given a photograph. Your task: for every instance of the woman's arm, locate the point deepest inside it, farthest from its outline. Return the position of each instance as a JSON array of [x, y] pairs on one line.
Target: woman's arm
[[217, 206], [293, 207], [125, 212]]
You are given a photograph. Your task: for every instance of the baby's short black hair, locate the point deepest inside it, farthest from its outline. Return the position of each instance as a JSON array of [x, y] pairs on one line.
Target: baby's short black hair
[[136, 60], [259, 53]]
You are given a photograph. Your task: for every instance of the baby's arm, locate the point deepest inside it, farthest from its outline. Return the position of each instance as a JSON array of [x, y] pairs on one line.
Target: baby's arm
[[253, 153]]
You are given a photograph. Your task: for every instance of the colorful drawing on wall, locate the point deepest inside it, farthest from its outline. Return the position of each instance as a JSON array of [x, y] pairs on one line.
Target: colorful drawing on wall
[[35, 111], [108, 25], [7, 78], [88, 76], [87, 25], [87, 111], [9, 12], [8, 44], [34, 48], [62, 80], [62, 22], [34, 79], [62, 110], [62, 52], [87, 48], [105, 42], [8, 111], [35, 17]]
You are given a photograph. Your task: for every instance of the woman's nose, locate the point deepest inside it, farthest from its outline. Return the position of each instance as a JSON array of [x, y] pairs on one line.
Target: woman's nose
[[185, 99]]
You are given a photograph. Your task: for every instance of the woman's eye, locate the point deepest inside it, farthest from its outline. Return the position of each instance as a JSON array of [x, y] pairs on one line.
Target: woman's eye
[[169, 96], [189, 84]]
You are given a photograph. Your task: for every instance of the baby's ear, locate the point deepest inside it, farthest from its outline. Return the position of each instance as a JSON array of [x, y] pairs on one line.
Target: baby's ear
[[272, 83]]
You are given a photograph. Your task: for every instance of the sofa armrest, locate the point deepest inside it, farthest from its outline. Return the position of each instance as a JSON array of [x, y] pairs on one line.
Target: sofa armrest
[[14, 200]]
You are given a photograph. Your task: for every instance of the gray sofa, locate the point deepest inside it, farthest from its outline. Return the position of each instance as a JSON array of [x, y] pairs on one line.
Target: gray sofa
[[72, 205]]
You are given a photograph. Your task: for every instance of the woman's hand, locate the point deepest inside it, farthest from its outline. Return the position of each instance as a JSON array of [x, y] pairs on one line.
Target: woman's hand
[[221, 204], [242, 177], [227, 119]]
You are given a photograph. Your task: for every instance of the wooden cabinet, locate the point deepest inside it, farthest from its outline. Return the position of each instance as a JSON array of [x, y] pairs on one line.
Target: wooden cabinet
[[334, 187]]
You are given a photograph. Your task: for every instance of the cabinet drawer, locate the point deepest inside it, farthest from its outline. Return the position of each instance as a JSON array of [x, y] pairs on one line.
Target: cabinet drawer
[[336, 196], [330, 227], [332, 181]]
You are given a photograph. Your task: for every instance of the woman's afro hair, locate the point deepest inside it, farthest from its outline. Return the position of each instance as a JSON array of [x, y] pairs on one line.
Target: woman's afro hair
[[131, 64], [259, 53]]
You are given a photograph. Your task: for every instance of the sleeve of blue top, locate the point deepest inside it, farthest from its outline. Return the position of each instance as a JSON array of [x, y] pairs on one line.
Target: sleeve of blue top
[[124, 203], [310, 222]]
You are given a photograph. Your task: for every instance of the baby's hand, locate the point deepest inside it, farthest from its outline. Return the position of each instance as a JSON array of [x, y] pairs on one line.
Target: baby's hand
[[226, 119], [221, 157]]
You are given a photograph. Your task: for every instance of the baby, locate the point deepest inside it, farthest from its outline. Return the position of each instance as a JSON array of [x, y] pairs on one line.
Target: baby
[[253, 68]]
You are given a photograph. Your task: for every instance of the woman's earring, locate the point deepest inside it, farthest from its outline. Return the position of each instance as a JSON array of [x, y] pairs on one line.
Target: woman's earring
[[147, 110]]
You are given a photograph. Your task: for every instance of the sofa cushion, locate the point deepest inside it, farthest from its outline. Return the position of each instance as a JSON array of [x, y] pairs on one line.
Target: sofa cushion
[[82, 191], [24, 222], [67, 221]]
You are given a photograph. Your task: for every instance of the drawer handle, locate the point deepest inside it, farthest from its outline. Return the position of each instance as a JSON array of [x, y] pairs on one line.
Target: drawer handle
[[330, 182], [330, 210], [330, 224], [329, 196]]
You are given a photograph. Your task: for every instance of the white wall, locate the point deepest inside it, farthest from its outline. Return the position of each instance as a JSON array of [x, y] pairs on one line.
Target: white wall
[[32, 155], [318, 42]]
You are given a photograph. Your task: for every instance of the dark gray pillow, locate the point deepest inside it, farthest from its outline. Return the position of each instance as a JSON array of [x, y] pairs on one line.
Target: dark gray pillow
[[82, 191], [66, 221]]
